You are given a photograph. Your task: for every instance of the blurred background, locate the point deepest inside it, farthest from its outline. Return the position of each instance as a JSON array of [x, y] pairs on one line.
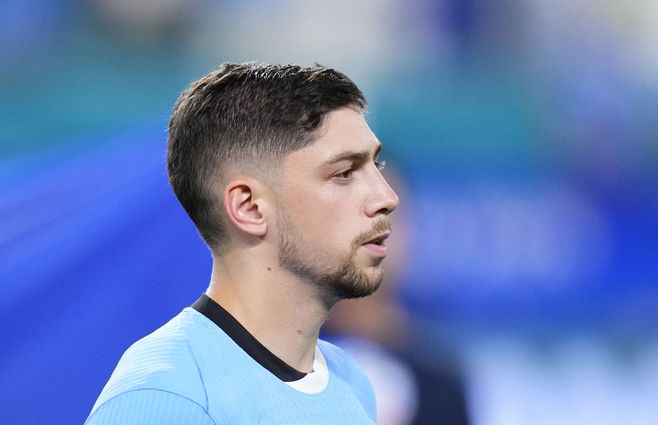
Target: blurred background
[[522, 137]]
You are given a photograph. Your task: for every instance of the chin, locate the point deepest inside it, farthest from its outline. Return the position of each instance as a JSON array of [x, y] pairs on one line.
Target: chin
[[359, 284]]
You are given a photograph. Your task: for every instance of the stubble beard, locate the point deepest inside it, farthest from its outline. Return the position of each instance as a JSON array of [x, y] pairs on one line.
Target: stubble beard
[[345, 281]]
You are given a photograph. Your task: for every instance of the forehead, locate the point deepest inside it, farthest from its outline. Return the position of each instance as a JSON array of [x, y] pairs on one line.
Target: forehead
[[343, 131]]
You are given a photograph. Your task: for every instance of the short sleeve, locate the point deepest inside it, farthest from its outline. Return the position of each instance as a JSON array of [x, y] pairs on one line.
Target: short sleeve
[[149, 407]]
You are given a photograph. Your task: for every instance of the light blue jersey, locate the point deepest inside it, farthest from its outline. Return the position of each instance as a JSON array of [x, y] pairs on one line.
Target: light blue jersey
[[191, 372]]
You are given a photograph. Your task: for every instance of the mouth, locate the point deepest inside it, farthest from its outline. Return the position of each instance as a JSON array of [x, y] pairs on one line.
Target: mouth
[[376, 245], [379, 239]]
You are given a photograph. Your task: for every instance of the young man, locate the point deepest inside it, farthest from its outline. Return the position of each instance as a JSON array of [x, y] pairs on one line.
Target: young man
[[278, 169]]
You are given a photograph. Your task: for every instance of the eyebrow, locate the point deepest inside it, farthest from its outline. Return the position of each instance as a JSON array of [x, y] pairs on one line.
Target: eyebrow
[[353, 156]]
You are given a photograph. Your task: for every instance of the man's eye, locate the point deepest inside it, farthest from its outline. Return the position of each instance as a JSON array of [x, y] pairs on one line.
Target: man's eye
[[380, 164], [345, 175]]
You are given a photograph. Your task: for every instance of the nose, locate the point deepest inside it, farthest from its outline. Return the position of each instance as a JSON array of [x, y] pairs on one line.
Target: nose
[[383, 198]]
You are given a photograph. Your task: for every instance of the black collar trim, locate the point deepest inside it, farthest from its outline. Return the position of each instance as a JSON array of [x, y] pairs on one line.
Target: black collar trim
[[245, 340]]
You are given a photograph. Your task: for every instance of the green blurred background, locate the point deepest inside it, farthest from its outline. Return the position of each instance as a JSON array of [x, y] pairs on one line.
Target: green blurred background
[[521, 134]]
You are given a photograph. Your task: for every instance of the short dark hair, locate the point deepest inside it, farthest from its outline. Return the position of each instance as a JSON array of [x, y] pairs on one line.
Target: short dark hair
[[245, 114]]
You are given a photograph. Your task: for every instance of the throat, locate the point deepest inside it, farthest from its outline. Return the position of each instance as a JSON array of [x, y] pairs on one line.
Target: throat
[[245, 340]]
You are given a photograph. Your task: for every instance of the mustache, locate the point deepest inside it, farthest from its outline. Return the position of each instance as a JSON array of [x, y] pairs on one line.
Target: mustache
[[379, 228]]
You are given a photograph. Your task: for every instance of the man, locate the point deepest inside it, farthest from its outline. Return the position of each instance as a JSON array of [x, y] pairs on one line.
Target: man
[[279, 171]]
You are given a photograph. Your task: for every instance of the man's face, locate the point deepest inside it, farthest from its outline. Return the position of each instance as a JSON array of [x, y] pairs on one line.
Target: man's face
[[333, 209]]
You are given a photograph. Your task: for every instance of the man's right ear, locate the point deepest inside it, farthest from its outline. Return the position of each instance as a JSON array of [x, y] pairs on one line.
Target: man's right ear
[[244, 205]]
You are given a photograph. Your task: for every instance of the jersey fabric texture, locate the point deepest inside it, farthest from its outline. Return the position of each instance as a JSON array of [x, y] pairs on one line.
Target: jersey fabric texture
[[191, 372]]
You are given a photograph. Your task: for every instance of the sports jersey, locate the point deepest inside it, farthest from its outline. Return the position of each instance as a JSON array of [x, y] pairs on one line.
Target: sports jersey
[[203, 367]]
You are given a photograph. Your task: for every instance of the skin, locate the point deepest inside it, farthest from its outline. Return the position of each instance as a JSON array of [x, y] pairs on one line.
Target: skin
[[297, 245]]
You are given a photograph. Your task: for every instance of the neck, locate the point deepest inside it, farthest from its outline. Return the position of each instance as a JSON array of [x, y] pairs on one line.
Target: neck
[[282, 312]]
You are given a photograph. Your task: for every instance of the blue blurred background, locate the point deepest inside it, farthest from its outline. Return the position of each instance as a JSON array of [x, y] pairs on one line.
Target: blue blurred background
[[522, 135]]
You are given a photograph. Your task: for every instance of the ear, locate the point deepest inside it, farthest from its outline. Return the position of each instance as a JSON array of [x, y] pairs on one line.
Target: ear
[[244, 206]]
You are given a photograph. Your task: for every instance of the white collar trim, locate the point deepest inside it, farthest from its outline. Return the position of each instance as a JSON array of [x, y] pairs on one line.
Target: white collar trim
[[316, 381]]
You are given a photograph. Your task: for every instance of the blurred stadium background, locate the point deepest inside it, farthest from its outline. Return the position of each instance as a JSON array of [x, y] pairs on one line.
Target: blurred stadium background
[[523, 136]]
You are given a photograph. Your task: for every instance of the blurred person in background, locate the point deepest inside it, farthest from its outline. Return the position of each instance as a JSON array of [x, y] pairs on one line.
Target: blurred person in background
[[279, 171], [527, 129], [379, 333]]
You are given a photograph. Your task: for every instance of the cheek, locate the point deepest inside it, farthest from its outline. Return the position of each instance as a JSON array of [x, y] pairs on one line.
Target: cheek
[[331, 214]]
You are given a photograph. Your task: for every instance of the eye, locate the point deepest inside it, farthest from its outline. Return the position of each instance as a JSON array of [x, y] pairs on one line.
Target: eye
[[345, 175], [380, 164]]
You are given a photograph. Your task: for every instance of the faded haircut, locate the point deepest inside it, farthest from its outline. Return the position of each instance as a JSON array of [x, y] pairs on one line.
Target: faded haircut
[[247, 115]]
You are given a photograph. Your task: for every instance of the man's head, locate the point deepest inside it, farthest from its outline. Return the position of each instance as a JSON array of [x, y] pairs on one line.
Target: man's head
[[246, 116], [281, 157]]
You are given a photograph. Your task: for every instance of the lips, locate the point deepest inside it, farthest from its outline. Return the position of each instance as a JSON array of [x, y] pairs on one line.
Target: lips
[[379, 239], [376, 245]]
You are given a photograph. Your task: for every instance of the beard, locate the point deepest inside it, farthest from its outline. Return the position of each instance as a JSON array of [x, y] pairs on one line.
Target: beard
[[345, 280]]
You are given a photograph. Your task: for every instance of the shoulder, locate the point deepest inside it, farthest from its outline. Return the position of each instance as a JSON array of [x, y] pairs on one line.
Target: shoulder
[[343, 367], [149, 407], [164, 362]]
